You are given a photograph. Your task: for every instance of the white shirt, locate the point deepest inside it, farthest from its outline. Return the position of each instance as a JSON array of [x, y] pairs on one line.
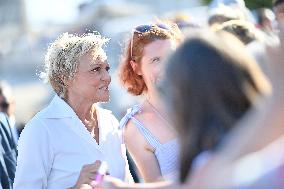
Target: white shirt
[[55, 145]]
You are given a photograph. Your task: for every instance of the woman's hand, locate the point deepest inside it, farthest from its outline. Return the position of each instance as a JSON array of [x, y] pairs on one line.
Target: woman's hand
[[111, 183], [86, 186], [87, 176]]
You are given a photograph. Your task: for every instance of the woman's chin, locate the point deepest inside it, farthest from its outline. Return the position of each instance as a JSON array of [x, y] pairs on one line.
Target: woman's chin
[[104, 99]]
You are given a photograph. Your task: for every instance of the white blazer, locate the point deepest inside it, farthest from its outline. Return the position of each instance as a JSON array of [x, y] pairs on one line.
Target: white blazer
[[55, 145]]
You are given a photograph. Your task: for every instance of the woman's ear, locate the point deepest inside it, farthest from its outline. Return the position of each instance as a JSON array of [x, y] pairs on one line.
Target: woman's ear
[[65, 81], [136, 67]]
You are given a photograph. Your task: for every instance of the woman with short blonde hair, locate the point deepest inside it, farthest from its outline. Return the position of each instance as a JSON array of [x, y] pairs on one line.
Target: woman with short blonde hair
[[72, 133]]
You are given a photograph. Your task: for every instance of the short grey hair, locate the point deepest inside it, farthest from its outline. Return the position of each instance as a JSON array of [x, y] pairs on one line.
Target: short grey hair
[[62, 57]]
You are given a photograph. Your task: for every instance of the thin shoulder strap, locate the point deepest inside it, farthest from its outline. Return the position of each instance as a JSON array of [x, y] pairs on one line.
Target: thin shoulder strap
[[151, 139]]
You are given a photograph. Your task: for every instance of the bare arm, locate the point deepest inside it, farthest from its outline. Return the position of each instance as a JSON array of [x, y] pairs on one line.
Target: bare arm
[[142, 154], [112, 183]]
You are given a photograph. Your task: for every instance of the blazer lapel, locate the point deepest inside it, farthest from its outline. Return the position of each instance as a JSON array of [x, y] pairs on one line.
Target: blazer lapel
[[79, 129], [59, 109]]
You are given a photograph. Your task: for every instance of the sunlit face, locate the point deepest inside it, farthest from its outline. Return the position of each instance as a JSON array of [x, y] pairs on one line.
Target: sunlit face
[[152, 66], [92, 79], [279, 11]]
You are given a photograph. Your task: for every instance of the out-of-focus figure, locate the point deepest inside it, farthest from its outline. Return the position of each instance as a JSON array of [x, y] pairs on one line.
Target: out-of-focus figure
[[7, 106], [224, 10], [8, 140], [243, 30], [278, 6], [265, 19]]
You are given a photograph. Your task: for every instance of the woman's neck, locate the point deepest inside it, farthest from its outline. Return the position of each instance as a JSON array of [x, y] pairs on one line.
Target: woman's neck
[[155, 101], [84, 109], [156, 106]]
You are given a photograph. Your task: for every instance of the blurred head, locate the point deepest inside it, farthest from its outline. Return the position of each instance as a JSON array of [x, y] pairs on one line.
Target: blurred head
[[77, 65], [141, 66], [183, 21], [265, 18], [237, 3], [278, 6], [223, 13], [6, 99], [243, 30], [210, 83]]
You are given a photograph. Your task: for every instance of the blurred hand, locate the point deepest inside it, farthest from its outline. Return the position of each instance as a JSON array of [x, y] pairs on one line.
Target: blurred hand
[[111, 183], [216, 173], [87, 175], [86, 186]]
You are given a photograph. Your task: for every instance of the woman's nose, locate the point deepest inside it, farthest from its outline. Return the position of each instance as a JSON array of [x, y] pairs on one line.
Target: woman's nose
[[106, 76]]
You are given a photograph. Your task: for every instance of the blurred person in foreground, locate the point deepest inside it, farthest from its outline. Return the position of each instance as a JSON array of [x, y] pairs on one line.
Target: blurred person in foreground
[[184, 21], [149, 136], [253, 155], [278, 7], [7, 106], [245, 31], [72, 133], [8, 137], [225, 10], [253, 38], [222, 14], [210, 84], [265, 20], [8, 153]]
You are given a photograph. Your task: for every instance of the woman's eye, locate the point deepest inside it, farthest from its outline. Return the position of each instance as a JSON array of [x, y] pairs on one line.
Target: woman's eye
[[157, 59], [107, 68], [96, 69]]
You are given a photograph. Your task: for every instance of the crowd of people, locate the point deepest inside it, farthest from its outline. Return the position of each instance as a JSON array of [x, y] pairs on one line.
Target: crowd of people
[[211, 112]]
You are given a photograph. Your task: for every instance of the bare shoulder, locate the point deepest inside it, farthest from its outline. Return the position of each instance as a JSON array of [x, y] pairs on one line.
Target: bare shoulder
[[134, 138]]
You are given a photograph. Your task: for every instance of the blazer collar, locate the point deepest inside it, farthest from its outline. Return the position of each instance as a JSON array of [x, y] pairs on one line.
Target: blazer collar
[[58, 108]]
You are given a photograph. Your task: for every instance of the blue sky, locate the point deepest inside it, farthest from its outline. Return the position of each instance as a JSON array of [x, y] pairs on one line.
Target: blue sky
[[40, 12]]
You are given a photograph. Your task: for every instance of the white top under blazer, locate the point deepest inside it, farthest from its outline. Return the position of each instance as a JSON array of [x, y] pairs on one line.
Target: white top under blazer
[[55, 145]]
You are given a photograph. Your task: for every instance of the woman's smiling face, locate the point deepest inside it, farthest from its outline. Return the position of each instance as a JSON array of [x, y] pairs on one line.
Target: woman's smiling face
[[91, 79], [152, 66]]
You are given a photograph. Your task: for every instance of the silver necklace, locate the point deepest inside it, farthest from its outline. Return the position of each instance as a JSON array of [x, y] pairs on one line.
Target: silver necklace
[[160, 115]]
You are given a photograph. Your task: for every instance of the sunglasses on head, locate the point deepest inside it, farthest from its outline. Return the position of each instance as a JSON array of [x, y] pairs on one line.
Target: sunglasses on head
[[144, 29]]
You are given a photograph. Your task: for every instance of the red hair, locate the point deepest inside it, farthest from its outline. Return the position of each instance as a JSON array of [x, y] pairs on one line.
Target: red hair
[[133, 82]]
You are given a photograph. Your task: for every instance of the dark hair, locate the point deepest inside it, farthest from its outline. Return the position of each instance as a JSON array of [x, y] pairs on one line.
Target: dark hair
[[243, 30], [211, 82], [263, 14], [277, 2]]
